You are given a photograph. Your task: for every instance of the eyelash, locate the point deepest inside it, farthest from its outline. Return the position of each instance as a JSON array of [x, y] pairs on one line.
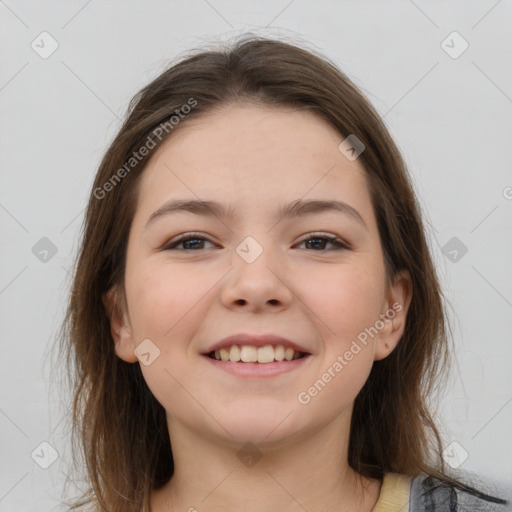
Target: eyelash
[[339, 244]]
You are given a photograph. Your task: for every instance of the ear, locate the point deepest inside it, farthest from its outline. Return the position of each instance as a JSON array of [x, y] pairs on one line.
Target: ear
[[120, 328], [393, 316]]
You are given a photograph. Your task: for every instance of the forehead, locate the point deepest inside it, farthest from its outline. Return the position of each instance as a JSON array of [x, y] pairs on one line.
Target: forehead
[[253, 155]]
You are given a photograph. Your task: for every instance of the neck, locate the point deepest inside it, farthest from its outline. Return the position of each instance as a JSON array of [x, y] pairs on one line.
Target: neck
[[307, 473]]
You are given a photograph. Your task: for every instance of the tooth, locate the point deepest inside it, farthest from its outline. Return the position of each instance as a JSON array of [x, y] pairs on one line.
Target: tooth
[[248, 354], [279, 353], [234, 354], [224, 354], [251, 354], [266, 354], [288, 354]]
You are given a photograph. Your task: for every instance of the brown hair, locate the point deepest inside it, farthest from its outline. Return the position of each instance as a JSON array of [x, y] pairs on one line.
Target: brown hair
[[119, 425]]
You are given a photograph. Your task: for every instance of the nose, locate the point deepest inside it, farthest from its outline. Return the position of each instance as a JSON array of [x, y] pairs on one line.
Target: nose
[[258, 279]]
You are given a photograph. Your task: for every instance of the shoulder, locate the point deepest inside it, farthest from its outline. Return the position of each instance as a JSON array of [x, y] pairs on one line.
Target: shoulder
[[431, 494]]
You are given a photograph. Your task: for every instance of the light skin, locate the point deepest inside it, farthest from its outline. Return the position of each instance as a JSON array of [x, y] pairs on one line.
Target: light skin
[[256, 160]]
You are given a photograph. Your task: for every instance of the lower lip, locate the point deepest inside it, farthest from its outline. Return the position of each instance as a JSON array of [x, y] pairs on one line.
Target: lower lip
[[258, 369]]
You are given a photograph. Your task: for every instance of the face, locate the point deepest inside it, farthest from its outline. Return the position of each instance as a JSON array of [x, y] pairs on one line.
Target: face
[[251, 269]]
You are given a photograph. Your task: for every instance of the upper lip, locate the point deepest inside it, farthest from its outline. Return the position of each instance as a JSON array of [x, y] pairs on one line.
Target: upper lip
[[259, 340]]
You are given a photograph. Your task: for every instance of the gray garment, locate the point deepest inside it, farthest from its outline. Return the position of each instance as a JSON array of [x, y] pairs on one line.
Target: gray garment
[[428, 494]]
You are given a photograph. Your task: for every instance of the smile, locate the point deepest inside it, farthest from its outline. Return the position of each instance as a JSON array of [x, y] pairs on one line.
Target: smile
[[251, 354], [254, 368]]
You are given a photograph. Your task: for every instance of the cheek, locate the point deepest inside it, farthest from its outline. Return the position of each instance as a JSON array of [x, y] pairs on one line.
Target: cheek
[[166, 298], [345, 301], [348, 302]]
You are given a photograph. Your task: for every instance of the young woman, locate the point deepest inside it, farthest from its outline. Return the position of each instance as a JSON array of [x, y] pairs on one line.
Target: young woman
[[255, 321]]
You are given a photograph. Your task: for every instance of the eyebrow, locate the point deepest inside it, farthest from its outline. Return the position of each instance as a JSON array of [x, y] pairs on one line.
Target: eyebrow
[[297, 208]]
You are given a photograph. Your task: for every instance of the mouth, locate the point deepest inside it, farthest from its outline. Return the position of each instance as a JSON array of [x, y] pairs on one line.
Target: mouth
[[244, 354], [257, 355], [252, 364]]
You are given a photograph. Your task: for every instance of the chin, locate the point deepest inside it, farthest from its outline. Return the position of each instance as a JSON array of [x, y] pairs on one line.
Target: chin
[[261, 428]]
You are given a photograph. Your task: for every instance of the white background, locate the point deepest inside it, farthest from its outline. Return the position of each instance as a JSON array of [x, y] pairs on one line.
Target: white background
[[451, 118]]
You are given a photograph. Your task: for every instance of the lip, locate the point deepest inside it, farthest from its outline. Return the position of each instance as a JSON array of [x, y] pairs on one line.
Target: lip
[[258, 369], [259, 340]]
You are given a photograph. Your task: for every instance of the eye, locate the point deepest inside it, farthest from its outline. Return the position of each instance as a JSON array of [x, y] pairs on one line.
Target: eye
[[193, 241], [186, 239], [320, 239]]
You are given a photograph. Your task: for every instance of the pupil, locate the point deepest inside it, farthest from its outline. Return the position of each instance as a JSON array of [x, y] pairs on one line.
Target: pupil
[[189, 241], [316, 240]]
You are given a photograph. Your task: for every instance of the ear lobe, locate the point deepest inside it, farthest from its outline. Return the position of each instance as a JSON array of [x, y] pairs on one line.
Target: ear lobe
[[120, 328], [398, 302]]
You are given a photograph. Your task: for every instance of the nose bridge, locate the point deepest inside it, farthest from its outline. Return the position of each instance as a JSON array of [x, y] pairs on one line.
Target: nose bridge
[[257, 257], [250, 250]]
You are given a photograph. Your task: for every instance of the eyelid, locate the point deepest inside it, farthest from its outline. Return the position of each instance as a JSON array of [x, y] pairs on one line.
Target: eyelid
[[333, 239], [184, 237]]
